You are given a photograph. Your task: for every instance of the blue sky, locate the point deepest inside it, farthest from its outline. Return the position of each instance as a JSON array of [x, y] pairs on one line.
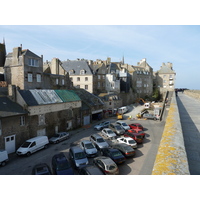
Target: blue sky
[[178, 44]]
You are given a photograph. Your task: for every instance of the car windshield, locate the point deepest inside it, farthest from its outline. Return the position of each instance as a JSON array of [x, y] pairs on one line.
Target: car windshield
[[118, 127], [109, 131], [111, 167], [89, 146], [63, 166], [42, 170], [100, 140], [25, 144], [131, 141], [124, 124], [116, 153], [128, 148], [140, 126], [139, 136], [79, 155]]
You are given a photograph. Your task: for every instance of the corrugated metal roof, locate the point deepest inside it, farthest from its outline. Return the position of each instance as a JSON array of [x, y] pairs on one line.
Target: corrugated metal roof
[[68, 95], [46, 96]]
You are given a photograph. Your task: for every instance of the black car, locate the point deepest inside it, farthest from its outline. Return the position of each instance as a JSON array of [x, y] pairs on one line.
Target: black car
[[126, 150], [90, 170], [61, 165], [41, 169], [114, 154]]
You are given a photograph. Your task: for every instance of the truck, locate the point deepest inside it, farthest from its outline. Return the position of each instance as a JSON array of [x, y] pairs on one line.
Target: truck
[[150, 116], [3, 157]]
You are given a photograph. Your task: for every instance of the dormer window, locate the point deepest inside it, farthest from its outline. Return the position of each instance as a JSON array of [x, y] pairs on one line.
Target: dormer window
[[82, 72], [71, 72]]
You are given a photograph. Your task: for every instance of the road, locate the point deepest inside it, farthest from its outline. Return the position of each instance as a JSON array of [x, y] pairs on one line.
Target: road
[[141, 164]]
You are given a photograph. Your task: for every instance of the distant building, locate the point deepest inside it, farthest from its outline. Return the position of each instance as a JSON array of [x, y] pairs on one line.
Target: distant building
[[165, 78]]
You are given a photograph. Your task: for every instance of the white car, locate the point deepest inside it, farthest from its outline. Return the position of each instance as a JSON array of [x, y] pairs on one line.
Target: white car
[[58, 137], [124, 125], [127, 140], [108, 133]]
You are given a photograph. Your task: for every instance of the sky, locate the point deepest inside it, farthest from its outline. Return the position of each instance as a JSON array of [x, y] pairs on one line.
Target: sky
[[160, 33], [177, 44]]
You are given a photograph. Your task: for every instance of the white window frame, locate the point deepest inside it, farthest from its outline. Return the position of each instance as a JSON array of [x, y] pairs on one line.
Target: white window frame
[[63, 81], [82, 72], [22, 120], [33, 62], [30, 77], [57, 81], [39, 78]]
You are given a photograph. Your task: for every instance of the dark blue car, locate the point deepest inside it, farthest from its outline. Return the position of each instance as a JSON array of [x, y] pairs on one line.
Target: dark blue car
[[61, 165], [114, 154]]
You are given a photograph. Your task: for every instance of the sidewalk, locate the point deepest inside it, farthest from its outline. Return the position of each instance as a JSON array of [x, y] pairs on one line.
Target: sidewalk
[[189, 110]]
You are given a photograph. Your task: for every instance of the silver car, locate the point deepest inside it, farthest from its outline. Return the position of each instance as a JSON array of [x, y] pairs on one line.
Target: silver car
[[89, 148], [59, 137], [78, 157], [116, 128], [98, 141], [106, 132]]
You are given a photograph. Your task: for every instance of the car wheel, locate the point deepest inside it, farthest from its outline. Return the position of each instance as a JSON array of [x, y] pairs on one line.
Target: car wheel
[[3, 163], [28, 153], [45, 146], [57, 141]]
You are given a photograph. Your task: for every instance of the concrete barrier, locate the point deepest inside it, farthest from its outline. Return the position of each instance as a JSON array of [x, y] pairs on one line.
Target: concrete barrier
[[171, 158]]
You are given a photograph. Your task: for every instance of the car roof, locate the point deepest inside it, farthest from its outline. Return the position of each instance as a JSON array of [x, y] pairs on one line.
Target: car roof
[[106, 160], [96, 135], [86, 141], [60, 157], [106, 129], [76, 149]]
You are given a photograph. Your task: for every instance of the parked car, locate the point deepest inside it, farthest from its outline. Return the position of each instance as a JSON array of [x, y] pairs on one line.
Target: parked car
[[98, 141], [32, 145], [41, 169], [78, 157], [116, 128], [90, 170], [124, 125], [136, 126], [129, 141], [126, 150], [102, 125], [114, 154], [106, 132], [61, 165], [107, 165], [89, 148], [58, 137], [150, 116], [3, 157], [138, 137]]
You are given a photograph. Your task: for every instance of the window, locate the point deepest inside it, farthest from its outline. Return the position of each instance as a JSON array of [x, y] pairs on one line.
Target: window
[[57, 81], [86, 87], [86, 78], [78, 78], [71, 72], [38, 77], [63, 82], [82, 72], [30, 77], [33, 62], [22, 121], [41, 119]]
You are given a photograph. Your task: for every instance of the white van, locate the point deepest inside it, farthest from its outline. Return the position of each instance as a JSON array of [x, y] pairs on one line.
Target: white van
[[3, 157], [32, 145], [123, 110]]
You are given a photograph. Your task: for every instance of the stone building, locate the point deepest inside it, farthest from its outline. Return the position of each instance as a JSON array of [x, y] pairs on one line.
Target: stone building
[[165, 78]]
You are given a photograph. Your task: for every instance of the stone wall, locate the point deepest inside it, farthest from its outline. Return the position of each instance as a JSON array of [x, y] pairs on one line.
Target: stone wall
[[193, 93]]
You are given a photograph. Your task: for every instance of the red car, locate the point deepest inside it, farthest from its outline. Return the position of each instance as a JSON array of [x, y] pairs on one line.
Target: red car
[[136, 126], [138, 136]]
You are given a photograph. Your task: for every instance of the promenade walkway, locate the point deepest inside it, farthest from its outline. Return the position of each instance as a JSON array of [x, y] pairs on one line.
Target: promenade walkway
[[189, 110]]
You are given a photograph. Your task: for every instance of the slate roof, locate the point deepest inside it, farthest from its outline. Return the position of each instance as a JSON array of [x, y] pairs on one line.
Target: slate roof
[[77, 65], [165, 70], [88, 98], [9, 108]]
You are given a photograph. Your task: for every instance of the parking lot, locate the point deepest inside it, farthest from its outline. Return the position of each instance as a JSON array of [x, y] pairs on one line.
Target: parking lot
[[141, 164]]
